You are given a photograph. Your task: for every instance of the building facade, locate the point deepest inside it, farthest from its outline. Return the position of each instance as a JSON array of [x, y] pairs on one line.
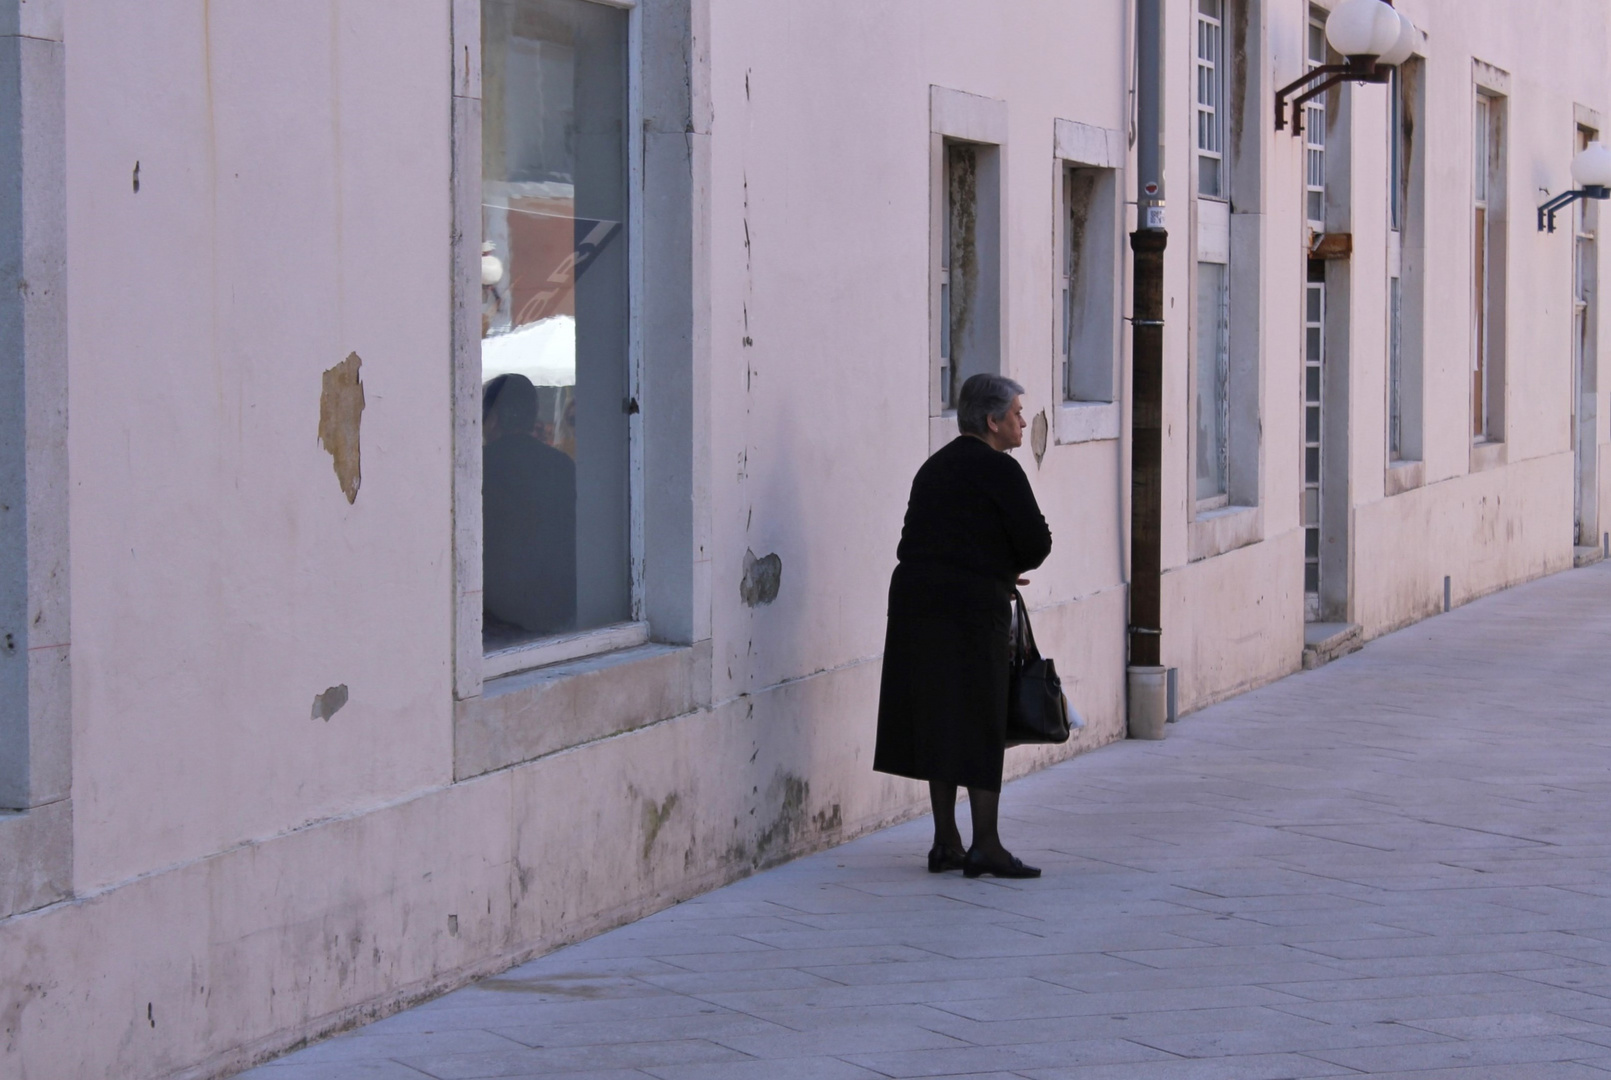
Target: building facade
[[534, 388]]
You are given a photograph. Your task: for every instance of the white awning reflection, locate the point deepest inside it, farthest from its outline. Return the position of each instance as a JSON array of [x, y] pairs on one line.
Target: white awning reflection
[[543, 351]]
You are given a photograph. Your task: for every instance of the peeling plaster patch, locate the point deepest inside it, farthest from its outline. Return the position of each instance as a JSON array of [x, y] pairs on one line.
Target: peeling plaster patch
[[1037, 436], [654, 819], [341, 408], [761, 580], [329, 703]]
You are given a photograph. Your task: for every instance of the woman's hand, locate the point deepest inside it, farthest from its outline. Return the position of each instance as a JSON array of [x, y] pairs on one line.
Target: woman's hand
[[1023, 581]]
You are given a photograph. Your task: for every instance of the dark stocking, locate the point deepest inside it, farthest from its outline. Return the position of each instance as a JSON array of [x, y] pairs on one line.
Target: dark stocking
[[943, 798], [986, 840]]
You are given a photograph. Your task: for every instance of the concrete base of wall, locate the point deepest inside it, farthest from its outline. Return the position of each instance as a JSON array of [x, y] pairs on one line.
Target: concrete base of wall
[[229, 960]]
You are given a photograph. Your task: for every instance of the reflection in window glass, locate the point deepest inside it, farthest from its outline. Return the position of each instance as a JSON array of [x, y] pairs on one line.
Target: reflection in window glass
[[554, 324]]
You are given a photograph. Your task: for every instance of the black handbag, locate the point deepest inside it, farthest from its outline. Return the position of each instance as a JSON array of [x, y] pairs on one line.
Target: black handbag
[[1037, 711]]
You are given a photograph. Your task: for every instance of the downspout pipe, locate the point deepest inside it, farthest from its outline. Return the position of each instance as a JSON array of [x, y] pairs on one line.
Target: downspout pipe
[[1147, 679]]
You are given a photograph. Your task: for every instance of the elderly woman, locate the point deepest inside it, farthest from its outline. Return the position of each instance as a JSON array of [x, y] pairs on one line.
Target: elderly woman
[[972, 527]]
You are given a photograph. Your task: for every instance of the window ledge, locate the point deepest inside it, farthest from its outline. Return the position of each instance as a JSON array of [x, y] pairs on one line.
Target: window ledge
[[1214, 532], [1087, 421], [1405, 476], [942, 430], [1489, 454], [529, 655], [36, 857], [529, 714]]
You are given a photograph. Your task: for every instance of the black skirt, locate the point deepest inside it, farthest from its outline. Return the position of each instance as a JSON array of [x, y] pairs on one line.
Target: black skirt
[[942, 706]]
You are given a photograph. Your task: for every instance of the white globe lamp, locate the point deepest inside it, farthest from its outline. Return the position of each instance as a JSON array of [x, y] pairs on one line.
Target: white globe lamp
[[1404, 47], [1362, 28], [1592, 167]]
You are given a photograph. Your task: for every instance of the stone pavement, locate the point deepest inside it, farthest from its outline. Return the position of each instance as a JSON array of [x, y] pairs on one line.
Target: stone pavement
[[1396, 865]]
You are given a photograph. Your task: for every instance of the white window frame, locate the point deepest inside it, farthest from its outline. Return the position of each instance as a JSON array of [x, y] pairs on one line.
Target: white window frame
[[1212, 106], [1314, 125], [473, 663]]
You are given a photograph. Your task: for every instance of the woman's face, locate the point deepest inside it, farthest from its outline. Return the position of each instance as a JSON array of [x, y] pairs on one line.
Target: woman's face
[[1008, 432]]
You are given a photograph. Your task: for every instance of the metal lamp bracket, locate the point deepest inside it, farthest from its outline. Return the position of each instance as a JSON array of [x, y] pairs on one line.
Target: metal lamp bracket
[[1361, 69], [1547, 212]]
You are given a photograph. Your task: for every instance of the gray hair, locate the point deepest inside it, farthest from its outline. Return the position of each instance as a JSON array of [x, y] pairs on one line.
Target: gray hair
[[984, 398]]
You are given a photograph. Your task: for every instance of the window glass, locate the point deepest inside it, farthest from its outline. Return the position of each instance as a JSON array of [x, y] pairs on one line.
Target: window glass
[[1213, 378], [555, 327], [1395, 369], [1395, 151]]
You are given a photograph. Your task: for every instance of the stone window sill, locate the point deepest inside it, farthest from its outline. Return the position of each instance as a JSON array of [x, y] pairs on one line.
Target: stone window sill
[[1214, 532], [1405, 476], [1488, 454], [544, 652], [530, 714], [36, 857], [1087, 421]]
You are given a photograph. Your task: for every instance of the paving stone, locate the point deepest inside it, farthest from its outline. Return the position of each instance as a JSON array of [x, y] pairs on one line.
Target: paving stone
[[1395, 865], [1523, 1050]]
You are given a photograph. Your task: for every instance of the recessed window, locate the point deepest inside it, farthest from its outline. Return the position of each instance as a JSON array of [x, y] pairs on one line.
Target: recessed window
[[1488, 269], [1213, 383], [1405, 244], [967, 267], [1086, 278], [555, 323], [1585, 357]]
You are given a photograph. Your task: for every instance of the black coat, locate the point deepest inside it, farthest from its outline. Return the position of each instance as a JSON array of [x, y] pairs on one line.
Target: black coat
[[972, 527]]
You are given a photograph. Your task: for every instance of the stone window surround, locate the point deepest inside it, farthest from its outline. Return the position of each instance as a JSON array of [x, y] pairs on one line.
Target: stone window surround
[[958, 115], [1408, 471], [1488, 451], [36, 831], [1078, 145], [593, 685], [1230, 230]]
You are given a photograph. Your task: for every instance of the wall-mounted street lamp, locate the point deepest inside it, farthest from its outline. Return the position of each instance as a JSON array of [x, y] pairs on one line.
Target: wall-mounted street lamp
[[1591, 172], [1372, 35]]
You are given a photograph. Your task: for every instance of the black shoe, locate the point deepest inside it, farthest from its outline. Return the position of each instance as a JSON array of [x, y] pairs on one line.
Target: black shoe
[[942, 858], [1012, 867]]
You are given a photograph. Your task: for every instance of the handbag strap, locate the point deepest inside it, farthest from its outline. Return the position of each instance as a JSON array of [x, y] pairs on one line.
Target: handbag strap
[[1027, 649]]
